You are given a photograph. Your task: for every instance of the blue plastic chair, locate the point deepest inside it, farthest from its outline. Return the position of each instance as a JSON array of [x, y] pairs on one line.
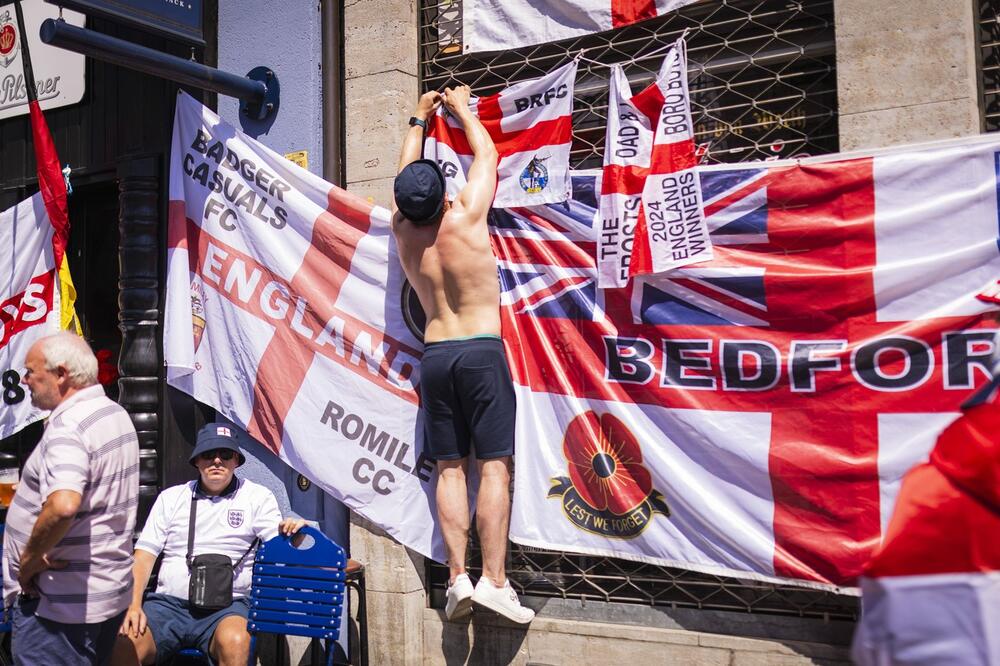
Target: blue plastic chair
[[298, 591]]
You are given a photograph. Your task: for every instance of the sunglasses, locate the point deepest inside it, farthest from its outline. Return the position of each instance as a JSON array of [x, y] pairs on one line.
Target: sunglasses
[[221, 454]]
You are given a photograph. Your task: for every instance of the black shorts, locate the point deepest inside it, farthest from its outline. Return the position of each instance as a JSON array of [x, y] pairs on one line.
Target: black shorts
[[467, 397]]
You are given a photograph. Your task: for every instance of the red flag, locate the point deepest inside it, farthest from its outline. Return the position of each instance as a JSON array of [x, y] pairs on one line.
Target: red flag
[[932, 587], [50, 181]]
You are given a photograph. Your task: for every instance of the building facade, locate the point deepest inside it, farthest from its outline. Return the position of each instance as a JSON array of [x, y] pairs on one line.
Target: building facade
[[769, 78]]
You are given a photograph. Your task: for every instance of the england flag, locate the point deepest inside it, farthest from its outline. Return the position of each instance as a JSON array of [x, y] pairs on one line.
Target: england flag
[[753, 415], [671, 231], [492, 25], [531, 124]]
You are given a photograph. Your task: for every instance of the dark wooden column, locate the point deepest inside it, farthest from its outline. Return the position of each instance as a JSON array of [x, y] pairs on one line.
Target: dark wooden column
[[141, 361]]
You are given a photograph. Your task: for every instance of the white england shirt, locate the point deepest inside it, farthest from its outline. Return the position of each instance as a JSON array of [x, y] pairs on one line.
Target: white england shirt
[[224, 524]]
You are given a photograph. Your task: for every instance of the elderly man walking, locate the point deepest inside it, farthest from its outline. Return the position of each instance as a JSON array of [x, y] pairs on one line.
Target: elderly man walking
[[67, 551]]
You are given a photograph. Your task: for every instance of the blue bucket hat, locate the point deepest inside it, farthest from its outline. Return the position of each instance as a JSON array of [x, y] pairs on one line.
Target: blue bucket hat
[[419, 191], [216, 436]]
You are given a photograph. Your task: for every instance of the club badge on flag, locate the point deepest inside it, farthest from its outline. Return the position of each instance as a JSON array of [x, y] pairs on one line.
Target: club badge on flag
[[531, 125], [283, 312], [493, 25]]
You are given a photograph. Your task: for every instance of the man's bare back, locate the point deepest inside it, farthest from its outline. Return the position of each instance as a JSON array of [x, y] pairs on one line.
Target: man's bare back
[[450, 264], [452, 268]]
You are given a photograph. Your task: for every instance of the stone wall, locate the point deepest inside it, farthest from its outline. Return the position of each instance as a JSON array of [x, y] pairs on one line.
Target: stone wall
[[553, 641], [380, 61], [906, 71]]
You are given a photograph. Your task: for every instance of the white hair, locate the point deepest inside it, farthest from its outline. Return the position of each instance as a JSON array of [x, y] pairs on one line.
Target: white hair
[[73, 353]]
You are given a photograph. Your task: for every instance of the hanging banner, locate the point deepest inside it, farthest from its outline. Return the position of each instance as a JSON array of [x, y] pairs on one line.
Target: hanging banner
[[752, 415], [51, 184], [628, 145], [531, 125], [494, 25], [283, 312], [672, 232], [29, 304]]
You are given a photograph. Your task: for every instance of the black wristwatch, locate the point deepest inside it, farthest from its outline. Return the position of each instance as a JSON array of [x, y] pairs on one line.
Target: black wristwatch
[[417, 121]]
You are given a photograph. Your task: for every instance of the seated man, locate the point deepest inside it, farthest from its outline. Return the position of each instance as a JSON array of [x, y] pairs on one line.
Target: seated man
[[231, 515]]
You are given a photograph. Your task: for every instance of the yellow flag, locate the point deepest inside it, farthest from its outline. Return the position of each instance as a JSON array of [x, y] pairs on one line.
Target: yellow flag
[[68, 321]]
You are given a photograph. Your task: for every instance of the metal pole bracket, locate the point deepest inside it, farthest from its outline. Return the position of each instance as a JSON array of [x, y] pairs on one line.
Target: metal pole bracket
[[268, 106]]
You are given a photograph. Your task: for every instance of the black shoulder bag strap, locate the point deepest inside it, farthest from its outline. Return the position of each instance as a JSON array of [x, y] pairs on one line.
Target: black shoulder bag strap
[[191, 521], [191, 517]]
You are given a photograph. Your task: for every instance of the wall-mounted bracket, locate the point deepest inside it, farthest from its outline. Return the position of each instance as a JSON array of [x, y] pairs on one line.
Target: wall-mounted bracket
[[272, 96], [258, 91]]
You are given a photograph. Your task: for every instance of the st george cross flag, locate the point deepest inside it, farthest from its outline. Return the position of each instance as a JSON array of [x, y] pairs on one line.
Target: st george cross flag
[[671, 232], [754, 415], [633, 122], [277, 315], [29, 303], [531, 124], [492, 25]]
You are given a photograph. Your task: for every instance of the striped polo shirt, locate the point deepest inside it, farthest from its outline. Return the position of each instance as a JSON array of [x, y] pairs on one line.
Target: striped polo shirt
[[90, 447]]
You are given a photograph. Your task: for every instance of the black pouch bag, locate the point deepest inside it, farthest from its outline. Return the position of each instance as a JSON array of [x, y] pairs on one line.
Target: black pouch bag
[[210, 587]]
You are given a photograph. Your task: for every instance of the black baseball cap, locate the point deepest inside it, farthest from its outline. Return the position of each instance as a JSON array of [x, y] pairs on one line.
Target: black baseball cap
[[419, 191], [216, 436]]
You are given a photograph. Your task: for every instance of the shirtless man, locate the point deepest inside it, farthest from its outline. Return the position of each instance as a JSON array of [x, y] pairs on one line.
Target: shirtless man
[[465, 388]]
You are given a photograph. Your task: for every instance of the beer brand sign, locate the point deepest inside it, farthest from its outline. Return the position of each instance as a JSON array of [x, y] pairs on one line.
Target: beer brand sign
[[59, 74]]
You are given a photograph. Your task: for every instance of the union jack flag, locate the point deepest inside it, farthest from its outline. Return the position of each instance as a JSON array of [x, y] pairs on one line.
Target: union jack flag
[[717, 292], [546, 256], [547, 268]]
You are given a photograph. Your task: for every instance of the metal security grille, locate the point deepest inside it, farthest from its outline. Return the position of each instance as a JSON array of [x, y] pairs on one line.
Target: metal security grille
[[989, 45], [763, 85], [763, 74]]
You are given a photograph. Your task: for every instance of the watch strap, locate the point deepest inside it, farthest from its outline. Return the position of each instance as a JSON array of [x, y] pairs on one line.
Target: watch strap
[[417, 121]]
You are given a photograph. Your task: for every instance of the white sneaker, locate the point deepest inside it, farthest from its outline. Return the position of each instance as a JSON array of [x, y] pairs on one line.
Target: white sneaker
[[459, 598], [502, 600]]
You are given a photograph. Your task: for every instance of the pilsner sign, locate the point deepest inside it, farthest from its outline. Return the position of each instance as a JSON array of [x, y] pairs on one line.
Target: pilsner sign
[[177, 19], [59, 75]]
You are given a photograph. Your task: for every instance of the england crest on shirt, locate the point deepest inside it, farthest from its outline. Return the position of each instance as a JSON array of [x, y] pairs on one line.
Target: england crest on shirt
[[235, 517]]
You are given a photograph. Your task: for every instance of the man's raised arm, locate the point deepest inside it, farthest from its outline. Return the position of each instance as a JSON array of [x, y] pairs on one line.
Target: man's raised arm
[[477, 195], [413, 142]]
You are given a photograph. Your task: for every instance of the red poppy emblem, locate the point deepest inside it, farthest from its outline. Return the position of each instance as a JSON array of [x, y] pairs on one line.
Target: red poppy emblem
[[605, 463]]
